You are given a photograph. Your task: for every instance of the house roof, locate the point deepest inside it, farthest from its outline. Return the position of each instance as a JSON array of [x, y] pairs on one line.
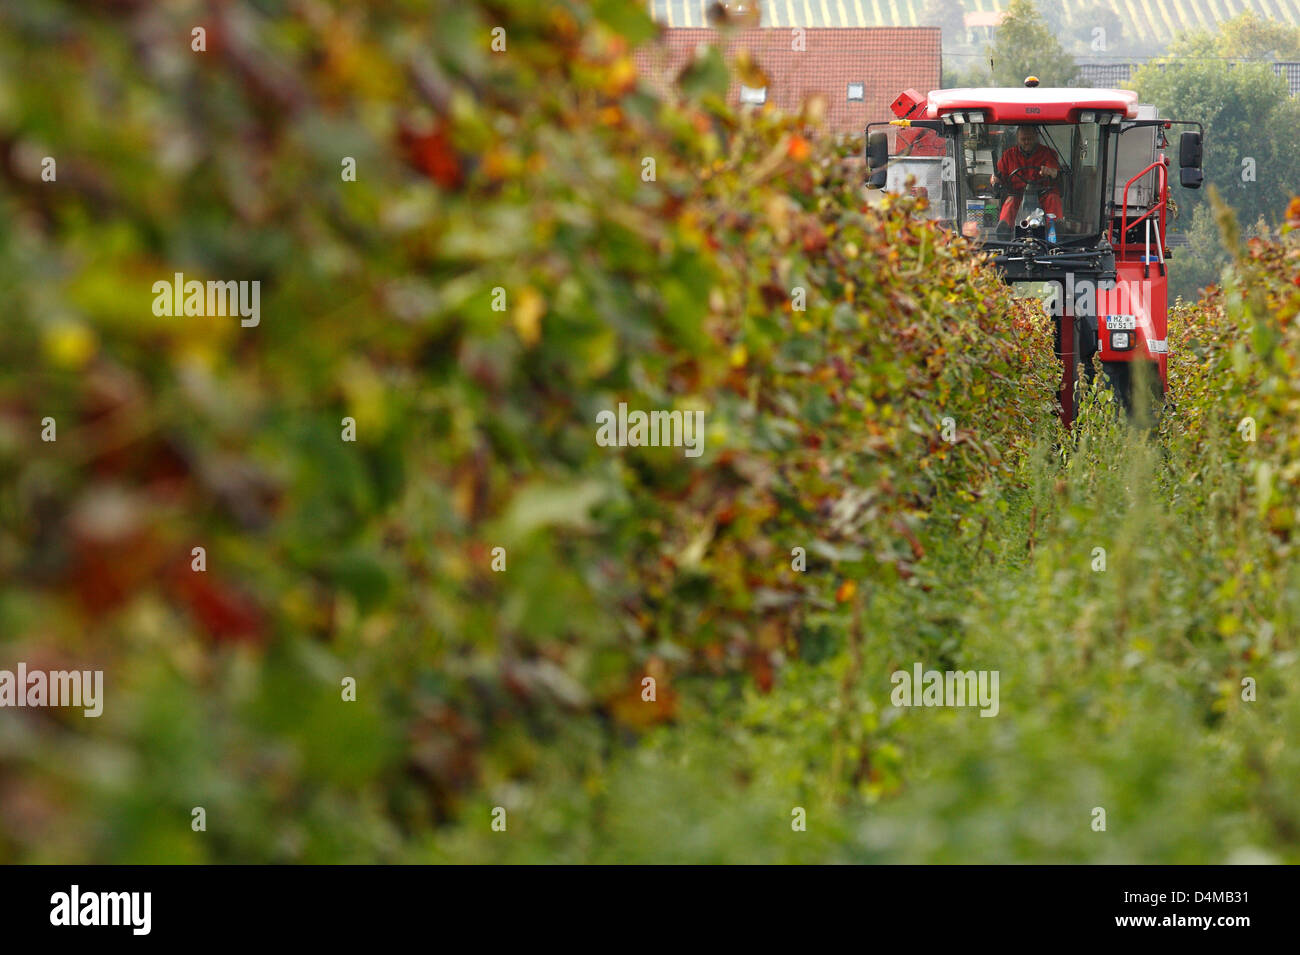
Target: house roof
[[885, 60], [1112, 74], [1106, 74]]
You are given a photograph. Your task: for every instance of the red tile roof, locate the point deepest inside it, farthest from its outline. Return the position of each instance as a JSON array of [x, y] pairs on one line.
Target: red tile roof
[[886, 60]]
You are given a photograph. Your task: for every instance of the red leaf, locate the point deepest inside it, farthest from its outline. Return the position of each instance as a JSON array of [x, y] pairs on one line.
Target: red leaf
[[431, 152], [224, 612]]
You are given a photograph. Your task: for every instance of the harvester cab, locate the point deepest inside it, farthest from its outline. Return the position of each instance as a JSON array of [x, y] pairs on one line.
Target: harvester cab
[[1068, 191]]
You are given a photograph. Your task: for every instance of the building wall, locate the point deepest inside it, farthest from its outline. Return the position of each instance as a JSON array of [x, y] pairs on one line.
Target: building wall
[[885, 61]]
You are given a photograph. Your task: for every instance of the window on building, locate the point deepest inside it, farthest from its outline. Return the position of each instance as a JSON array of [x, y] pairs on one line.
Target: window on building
[[749, 94], [857, 92]]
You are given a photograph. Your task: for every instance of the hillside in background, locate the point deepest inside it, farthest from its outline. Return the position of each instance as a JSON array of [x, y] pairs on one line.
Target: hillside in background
[[1145, 25]]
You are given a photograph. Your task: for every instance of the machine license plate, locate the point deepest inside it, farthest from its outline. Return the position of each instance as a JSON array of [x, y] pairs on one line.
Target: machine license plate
[[1121, 323]]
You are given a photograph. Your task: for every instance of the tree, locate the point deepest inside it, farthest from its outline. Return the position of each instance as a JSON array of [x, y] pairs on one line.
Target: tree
[[1097, 28], [1202, 262], [1197, 44], [974, 73], [1250, 122], [1053, 14], [1253, 37], [1024, 46], [950, 16], [1246, 36]]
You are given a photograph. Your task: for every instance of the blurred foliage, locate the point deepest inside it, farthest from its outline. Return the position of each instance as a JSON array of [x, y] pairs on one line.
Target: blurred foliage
[[477, 170]]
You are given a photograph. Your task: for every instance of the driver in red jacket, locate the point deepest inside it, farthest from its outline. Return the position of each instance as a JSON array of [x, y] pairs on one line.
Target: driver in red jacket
[[1029, 162]]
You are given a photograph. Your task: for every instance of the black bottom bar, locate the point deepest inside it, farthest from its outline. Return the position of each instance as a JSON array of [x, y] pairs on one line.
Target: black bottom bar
[[335, 905]]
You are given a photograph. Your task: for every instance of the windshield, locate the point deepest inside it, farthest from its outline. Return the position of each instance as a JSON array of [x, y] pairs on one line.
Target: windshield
[[1031, 179], [924, 163]]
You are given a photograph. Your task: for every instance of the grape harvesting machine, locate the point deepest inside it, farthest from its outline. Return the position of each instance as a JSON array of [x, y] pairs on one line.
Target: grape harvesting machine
[[1068, 191]]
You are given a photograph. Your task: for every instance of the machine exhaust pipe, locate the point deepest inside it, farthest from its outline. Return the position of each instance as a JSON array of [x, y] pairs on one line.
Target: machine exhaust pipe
[[1033, 220]]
